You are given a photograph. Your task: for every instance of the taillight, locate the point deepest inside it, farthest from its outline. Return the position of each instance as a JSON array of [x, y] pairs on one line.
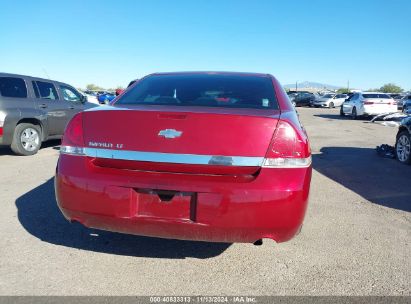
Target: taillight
[[289, 148], [2, 119], [367, 102], [73, 140]]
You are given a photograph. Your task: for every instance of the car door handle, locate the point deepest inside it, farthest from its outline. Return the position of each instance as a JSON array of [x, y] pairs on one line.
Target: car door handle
[[43, 106], [71, 107]]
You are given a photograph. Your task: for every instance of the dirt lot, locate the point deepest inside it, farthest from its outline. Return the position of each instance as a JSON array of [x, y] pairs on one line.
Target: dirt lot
[[355, 240]]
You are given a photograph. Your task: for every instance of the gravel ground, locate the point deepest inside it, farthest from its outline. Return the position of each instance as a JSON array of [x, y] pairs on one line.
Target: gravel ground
[[355, 240]]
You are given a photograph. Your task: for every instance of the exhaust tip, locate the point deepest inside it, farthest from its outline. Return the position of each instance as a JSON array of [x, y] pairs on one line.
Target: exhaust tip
[[258, 242]]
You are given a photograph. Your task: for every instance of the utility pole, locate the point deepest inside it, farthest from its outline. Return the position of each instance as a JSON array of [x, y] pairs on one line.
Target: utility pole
[[296, 86], [348, 85]]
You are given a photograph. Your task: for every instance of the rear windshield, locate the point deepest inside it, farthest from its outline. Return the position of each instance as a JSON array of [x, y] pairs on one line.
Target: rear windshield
[[383, 96], [210, 90], [13, 87]]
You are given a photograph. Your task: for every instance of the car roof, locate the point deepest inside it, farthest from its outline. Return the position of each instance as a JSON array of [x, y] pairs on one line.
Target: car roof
[[31, 77], [212, 73], [22, 76], [373, 93]]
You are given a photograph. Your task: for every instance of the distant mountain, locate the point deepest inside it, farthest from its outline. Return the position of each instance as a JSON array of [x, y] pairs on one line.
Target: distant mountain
[[314, 85]]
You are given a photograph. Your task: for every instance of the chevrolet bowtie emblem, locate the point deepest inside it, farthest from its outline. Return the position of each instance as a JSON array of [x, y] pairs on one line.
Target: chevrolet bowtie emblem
[[170, 133]]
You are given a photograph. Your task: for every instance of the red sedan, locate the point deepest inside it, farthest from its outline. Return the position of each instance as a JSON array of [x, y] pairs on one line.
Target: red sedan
[[203, 156]]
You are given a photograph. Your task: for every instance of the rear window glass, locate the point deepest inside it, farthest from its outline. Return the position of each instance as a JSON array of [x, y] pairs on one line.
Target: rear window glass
[[210, 90], [13, 87], [383, 96]]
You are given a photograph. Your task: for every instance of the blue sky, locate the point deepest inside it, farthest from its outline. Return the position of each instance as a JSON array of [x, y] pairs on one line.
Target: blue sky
[[110, 43]]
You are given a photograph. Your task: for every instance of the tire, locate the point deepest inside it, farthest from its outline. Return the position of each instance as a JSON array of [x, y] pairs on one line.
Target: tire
[[331, 105], [342, 112], [403, 147], [26, 139], [354, 113]]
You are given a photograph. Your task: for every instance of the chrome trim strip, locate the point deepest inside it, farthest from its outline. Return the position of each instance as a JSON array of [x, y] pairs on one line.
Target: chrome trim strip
[[192, 159], [189, 159]]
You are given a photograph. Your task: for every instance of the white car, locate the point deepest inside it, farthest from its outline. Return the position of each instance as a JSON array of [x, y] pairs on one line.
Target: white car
[[330, 100], [91, 98], [368, 104]]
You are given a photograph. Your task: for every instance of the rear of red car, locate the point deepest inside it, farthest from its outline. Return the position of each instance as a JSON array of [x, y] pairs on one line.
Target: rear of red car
[[199, 156]]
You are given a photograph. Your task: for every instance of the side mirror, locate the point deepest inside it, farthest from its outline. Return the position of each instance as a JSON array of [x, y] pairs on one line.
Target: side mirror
[[83, 99]]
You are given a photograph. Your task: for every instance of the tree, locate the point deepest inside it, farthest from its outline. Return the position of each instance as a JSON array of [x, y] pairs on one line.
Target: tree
[[391, 88], [343, 91], [93, 87]]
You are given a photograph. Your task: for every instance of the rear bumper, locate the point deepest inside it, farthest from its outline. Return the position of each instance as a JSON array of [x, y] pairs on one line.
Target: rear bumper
[[320, 105], [371, 110], [272, 205]]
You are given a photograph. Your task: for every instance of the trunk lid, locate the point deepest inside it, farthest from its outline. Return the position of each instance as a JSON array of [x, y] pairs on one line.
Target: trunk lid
[[159, 135]]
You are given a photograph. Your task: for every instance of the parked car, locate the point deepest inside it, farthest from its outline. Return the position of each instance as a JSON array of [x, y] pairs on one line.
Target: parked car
[[368, 104], [291, 96], [105, 97], [304, 99], [204, 156], [406, 103], [92, 98], [398, 99], [119, 91], [400, 103], [33, 110], [132, 82], [403, 141], [330, 100], [395, 95]]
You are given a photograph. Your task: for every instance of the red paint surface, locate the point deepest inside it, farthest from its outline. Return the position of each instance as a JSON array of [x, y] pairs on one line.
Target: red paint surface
[[230, 204]]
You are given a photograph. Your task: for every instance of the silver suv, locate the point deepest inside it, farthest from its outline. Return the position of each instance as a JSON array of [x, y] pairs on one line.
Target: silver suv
[[33, 110]]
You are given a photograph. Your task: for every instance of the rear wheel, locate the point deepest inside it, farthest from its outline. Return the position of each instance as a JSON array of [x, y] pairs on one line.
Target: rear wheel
[[26, 139], [403, 147], [354, 113], [331, 105]]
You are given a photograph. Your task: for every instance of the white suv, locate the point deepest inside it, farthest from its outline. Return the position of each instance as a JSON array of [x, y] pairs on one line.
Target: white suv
[[368, 104]]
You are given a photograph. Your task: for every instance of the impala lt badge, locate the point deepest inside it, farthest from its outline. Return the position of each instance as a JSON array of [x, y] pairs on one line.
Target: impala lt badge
[[170, 133], [105, 145]]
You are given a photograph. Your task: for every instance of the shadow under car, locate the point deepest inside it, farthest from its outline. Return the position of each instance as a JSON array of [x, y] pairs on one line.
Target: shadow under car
[[39, 215]]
